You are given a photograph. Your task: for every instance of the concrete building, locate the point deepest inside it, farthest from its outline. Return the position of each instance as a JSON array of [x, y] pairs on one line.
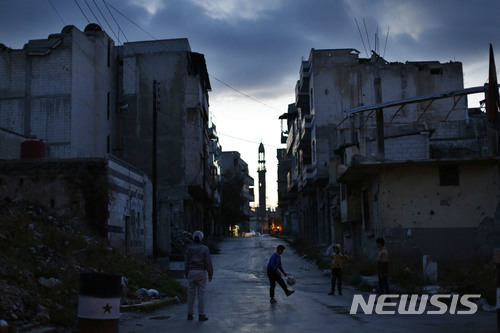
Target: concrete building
[[178, 155], [61, 89], [398, 171], [105, 194], [234, 168], [144, 102]]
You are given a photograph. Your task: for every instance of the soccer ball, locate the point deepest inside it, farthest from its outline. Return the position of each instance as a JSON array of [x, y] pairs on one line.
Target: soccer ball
[[290, 280]]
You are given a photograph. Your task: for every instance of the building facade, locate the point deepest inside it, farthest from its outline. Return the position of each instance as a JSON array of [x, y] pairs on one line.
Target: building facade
[[62, 90], [399, 171], [179, 154], [106, 195], [235, 169], [145, 103]]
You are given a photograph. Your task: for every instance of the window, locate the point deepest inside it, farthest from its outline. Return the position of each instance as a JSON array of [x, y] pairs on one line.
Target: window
[[448, 175], [437, 71], [108, 106], [192, 115]]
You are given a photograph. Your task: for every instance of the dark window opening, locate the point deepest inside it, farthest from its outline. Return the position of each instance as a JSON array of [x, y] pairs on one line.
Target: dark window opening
[[436, 71], [52, 203], [448, 176], [192, 115], [108, 101]]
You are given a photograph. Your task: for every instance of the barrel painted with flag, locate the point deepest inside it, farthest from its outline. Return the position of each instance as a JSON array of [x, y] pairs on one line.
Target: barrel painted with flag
[[99, 302]]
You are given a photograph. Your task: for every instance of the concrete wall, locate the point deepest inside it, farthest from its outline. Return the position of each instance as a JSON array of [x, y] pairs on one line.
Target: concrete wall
[[341, 81], [165, 62], [107, 195], [57, 90], [10, 144], [417, 216], [130, 225], [411, 197], [76, 188], [91, 82]]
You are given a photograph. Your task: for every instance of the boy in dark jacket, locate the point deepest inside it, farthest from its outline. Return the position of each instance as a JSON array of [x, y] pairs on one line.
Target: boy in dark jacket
[[273, 273]]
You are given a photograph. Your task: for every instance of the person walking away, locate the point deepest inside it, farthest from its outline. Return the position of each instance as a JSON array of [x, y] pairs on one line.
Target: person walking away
[[338, 259], [382, 267], [197, 264], [273, 273]]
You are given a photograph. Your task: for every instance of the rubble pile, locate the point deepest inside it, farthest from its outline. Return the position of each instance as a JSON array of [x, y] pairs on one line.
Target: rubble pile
[[42, 258]]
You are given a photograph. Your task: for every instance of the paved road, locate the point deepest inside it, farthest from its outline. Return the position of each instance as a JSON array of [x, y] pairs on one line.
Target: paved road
[[237, 301]]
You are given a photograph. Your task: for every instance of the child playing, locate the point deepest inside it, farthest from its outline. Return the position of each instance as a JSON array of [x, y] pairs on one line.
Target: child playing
[[338, 259]]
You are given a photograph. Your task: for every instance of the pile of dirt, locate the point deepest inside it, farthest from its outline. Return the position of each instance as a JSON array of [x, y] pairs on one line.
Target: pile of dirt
[[42, 257]]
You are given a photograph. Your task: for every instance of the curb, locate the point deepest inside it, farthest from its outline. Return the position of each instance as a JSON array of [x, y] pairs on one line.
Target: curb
[[148, 306]]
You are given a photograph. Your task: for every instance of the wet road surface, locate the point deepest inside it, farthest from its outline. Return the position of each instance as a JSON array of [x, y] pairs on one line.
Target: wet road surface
[[237, 300]]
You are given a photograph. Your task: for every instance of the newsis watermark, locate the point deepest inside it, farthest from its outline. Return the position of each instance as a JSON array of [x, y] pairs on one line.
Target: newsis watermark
[[389, 304]]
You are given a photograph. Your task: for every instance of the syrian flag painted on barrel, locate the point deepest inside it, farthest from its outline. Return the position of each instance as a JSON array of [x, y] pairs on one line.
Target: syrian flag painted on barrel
[[99, 296]]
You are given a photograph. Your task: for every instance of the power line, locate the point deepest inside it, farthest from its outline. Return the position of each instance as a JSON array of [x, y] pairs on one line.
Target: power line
[[229, 86], [54, 8], [131, 20], [119, 28], [242, 93], [105, 20], [81, 10], [250, 141], [91, 11]]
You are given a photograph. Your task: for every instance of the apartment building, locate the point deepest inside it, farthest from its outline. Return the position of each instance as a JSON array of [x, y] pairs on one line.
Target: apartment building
[[414, 172], [145, 103]]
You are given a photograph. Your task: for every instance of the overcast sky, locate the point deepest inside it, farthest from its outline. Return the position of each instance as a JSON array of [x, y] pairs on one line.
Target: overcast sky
[[254, 48]]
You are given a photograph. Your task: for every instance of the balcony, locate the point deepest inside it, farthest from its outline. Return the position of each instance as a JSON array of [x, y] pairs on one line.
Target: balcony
[[290, 140], [305, 131], [308, 177], [301, 96], [291, 181], [305, 75]]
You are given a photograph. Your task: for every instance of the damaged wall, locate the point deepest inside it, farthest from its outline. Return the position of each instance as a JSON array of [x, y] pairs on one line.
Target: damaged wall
[[108, 195], [419, 215]]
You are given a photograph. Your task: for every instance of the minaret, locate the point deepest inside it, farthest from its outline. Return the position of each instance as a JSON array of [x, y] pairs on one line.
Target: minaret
[[262, 181]]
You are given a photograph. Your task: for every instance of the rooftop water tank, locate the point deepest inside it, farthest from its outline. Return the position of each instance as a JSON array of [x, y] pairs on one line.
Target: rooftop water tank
[[32, 148]]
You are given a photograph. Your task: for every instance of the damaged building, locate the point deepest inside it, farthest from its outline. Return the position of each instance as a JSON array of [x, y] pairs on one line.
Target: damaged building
[[142, 106], [379, 149]]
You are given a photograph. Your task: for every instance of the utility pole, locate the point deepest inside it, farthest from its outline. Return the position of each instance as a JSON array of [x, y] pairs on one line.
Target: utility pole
[[377, 83], [156, 104]]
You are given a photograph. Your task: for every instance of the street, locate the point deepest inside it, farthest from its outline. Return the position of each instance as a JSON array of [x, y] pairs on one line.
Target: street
[[237, 300]]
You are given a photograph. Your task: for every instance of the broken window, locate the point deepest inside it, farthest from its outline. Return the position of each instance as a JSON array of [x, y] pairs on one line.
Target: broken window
[[437, 71], [448, 175], [192, 115]]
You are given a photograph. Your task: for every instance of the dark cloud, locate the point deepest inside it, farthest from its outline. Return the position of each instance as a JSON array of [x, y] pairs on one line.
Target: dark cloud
[[259, 51]]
